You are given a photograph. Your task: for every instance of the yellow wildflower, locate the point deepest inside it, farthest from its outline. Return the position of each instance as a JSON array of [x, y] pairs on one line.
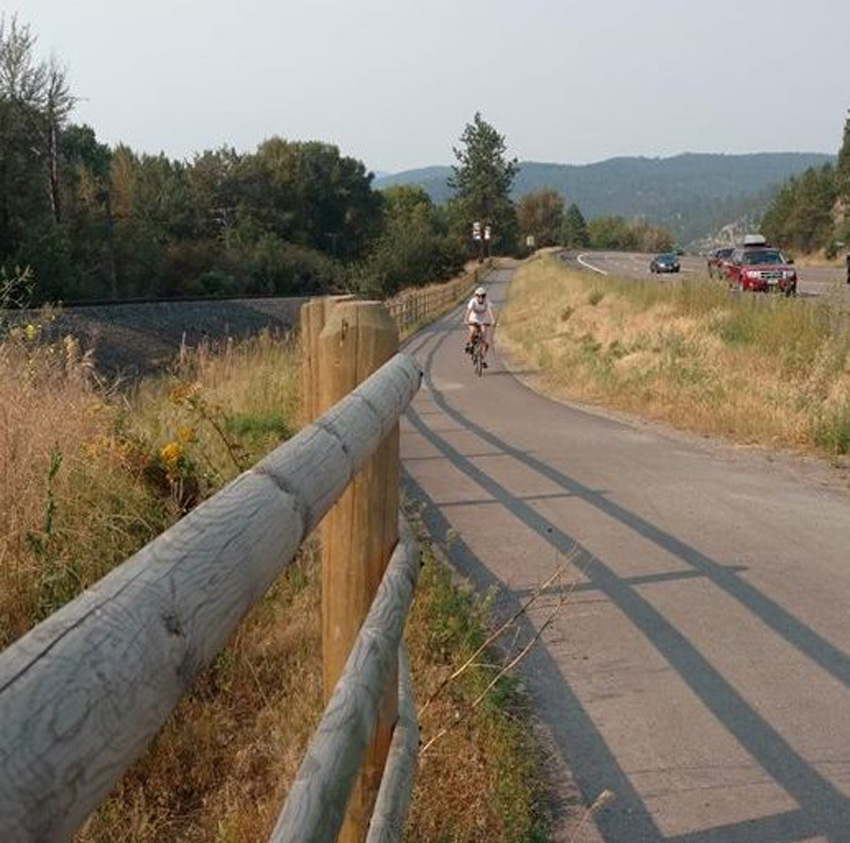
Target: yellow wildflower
[[170, 454], [31, 331], [183, 391], [186, 434]]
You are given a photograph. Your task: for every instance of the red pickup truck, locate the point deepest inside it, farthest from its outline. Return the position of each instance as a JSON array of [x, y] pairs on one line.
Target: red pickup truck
[[757, 266]]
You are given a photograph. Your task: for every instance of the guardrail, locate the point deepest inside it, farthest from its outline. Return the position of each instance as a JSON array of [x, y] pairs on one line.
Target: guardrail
[[83, 693]]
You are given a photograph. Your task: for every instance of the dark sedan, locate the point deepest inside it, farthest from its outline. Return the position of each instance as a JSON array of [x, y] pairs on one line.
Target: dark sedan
[[668, 262]]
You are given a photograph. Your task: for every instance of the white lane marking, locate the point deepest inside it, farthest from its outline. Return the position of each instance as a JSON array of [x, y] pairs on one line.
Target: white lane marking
[[584, 263]]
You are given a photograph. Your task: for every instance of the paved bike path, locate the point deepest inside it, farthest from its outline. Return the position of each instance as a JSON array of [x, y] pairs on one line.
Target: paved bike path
[[701, 667]]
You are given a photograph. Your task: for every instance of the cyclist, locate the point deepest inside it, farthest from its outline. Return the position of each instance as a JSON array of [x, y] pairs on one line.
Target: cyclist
[[479, 316]]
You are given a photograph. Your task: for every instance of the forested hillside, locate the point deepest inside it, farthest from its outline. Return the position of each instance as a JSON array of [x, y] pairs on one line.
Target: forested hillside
[[810, 212], [692, 195]]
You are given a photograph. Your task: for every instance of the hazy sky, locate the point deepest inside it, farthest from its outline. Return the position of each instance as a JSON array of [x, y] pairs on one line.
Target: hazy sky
[[393, 82]]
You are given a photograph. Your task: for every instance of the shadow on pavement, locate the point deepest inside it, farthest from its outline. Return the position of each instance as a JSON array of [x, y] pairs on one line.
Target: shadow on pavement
[[823, 809], [574, 732]]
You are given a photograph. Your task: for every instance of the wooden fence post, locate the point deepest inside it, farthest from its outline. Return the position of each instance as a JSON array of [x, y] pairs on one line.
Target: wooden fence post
[[360, 532], [314, 315]]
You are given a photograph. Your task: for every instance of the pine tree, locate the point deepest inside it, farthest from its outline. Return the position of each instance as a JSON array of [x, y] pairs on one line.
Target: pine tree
[[842, 185], [482, 180], [574, 232], [842, 168]]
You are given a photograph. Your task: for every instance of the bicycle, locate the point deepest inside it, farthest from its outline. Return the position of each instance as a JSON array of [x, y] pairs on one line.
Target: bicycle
[[477, 351]]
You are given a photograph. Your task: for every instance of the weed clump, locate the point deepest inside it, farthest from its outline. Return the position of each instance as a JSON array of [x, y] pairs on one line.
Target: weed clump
[[478, 782], [831, 429]]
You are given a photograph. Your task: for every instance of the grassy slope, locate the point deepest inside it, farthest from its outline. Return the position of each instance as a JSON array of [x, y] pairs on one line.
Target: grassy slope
[[753, 369], [124, 468]]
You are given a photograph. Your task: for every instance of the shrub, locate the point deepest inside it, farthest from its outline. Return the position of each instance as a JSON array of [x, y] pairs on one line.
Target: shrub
[[276, 266], [218, 283]]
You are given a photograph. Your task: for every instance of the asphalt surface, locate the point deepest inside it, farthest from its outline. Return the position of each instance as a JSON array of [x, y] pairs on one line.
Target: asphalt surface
[[813, 281], [700, 668]]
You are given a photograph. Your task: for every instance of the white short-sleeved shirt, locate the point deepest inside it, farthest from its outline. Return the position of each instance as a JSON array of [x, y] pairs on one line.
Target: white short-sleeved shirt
[[478, 312]]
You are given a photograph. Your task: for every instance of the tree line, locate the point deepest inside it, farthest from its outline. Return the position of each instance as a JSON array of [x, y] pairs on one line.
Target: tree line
[[810, 212], [542, 216], [80, 219]]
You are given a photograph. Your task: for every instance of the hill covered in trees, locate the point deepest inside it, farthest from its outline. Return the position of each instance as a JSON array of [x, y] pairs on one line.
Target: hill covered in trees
[[692, 195], [811, 212]]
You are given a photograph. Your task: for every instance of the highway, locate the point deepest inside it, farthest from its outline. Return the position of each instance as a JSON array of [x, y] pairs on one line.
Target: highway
[[813, 281], [699, 668]]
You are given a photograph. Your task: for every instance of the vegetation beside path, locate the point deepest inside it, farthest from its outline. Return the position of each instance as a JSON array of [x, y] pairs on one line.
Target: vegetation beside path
[[91, 474], [754, 369]]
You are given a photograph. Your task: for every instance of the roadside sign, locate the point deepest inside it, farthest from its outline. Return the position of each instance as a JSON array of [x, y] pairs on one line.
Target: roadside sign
[[529, 241], [486, 232], [476, 231]]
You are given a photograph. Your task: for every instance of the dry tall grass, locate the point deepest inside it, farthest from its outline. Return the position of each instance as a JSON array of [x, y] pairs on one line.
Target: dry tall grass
[[755, 369], [90, 476], [70, 505]]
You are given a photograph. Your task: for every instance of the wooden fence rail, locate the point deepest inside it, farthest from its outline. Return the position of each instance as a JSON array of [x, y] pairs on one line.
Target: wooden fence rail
[[83, 693], [318, 797], [390, 812]]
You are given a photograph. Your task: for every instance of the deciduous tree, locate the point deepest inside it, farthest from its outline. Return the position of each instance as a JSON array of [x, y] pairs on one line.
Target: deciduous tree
[[541, 214]]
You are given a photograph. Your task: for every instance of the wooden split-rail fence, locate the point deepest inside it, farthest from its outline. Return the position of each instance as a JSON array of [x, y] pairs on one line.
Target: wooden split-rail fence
[[413, 307], [84, 692]]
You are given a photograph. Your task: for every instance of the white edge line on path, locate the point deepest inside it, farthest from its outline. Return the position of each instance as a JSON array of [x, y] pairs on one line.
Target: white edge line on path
[[584, 263]]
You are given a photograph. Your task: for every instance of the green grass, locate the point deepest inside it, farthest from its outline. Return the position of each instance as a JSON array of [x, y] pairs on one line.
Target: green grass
[[259, 427], [831, 430]]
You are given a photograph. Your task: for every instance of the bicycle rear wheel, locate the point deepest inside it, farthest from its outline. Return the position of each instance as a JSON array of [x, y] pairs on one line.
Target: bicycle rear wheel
[[477, 360]]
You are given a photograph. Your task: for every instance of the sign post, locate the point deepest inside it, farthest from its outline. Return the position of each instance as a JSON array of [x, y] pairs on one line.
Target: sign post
[[476, 236]]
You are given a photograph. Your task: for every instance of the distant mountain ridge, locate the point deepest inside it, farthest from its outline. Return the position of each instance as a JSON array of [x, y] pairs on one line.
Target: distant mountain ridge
[[692, 194]]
